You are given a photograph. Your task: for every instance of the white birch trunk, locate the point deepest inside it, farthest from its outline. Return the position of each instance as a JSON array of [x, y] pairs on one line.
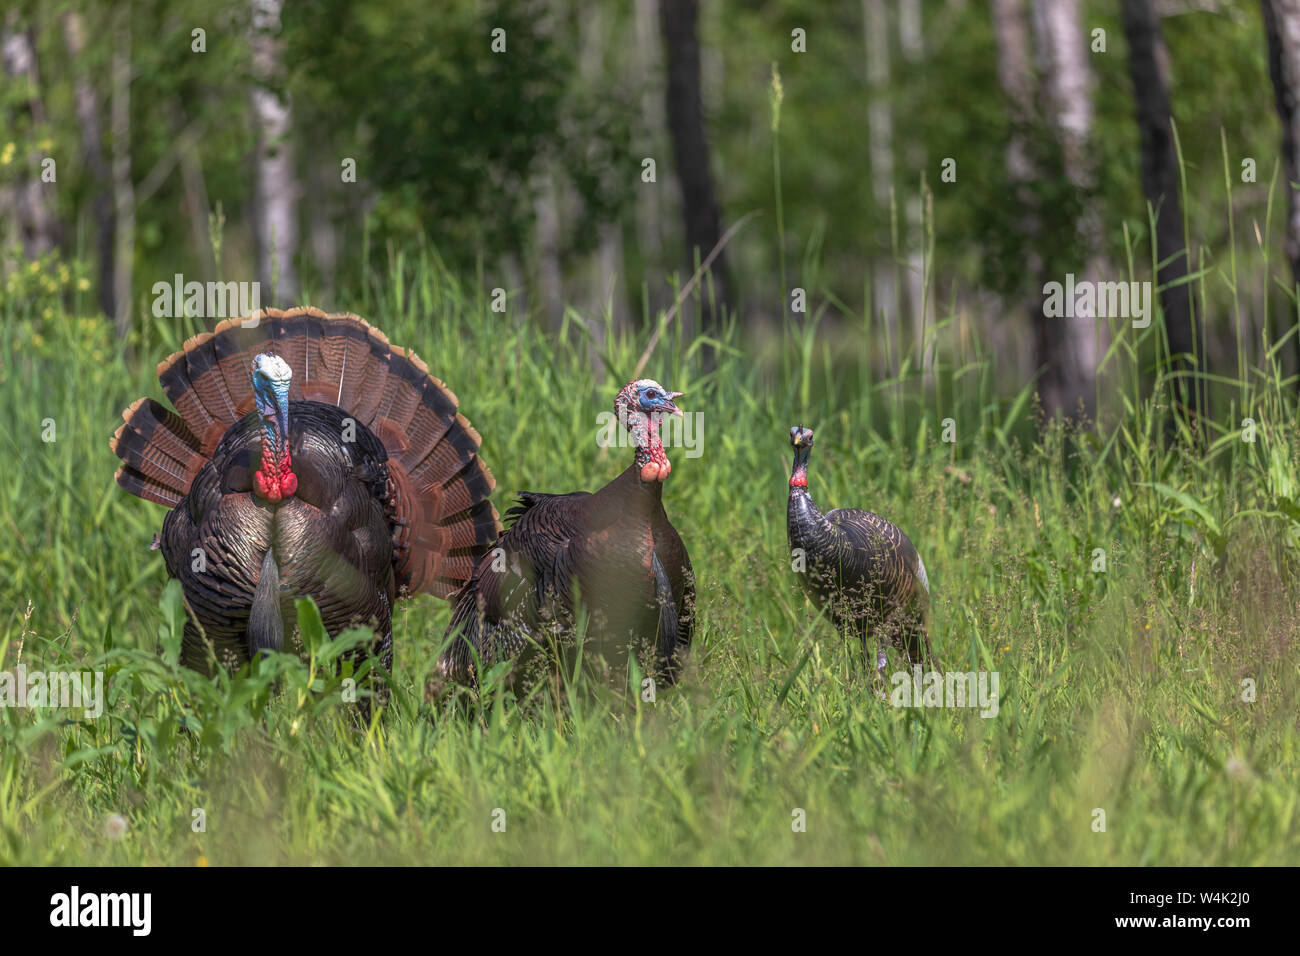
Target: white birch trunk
[[1067, 78], [123, 186], [880, 149], [276, 188]]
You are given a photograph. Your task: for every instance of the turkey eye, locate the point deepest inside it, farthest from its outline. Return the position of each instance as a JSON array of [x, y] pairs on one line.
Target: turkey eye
[[652, 394]]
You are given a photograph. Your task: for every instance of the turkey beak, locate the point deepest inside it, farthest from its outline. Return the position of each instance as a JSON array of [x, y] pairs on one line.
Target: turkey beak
[[672, 407]]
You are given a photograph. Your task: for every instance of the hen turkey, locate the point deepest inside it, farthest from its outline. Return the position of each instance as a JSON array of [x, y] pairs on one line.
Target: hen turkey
[[859, 566], [614, 553]]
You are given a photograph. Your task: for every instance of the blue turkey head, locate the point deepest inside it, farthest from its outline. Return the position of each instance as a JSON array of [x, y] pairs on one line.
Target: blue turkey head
[[647, 395], [271, 378]]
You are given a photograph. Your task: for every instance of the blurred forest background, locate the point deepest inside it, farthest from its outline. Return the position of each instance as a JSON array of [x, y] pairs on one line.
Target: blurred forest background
[[892, 184], [919, 168]]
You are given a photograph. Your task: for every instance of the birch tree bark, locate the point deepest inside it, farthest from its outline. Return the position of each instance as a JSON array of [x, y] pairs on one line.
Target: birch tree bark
[[912, 46], [607, 282], [1282, 31], [88, 107], [1016, 79], [546, 248], [34, 203], [1065, 349], [1074, 345], [880, 150], [123, 187], [649, 202], [542, 257], [276, 188]]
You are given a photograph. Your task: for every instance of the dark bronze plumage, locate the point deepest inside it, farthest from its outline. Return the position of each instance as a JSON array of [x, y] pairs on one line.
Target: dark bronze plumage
[[859, 566], [614, 553], [391, 497]]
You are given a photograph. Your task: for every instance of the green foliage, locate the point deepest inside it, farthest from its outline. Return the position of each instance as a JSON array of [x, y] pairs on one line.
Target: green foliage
[[39, 287], [451, 139], [1120, 689], [447, 130]]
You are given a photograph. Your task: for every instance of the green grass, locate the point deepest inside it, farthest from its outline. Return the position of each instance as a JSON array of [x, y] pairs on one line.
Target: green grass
[[1120, 690]]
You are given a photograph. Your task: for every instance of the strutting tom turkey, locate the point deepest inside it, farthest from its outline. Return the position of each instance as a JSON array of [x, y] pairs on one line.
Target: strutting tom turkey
[[305, 457], [860, 567], [613, 552]]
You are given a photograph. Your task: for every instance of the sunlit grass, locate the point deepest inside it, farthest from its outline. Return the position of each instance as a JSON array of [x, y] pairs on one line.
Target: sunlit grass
[[1121, 690]]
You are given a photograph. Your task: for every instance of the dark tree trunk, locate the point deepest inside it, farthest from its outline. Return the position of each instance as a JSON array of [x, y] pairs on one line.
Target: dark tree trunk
[[323, 226], [1147, 61], [88, 108], [1016, 78], [677, 19], [1282, 30]]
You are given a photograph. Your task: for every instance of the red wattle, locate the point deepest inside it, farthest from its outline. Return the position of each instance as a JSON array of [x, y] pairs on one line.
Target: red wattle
[[657, 468], [268, 488], [276, 481]]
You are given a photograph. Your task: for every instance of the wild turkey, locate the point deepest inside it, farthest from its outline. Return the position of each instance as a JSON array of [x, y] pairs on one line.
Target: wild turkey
[[613, 552], [859, 566], [306, 457]]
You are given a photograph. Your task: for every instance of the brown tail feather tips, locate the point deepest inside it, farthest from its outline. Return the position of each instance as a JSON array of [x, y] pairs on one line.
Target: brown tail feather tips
[[445, 517]]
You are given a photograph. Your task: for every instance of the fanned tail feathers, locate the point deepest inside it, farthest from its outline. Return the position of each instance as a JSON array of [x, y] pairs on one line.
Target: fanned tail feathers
[[441, 487]]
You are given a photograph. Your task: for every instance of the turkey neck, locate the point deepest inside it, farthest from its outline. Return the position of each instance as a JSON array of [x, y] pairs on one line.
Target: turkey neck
[[651, 461], [273, 440], [628, 497], [274, 480], [806, 526]]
